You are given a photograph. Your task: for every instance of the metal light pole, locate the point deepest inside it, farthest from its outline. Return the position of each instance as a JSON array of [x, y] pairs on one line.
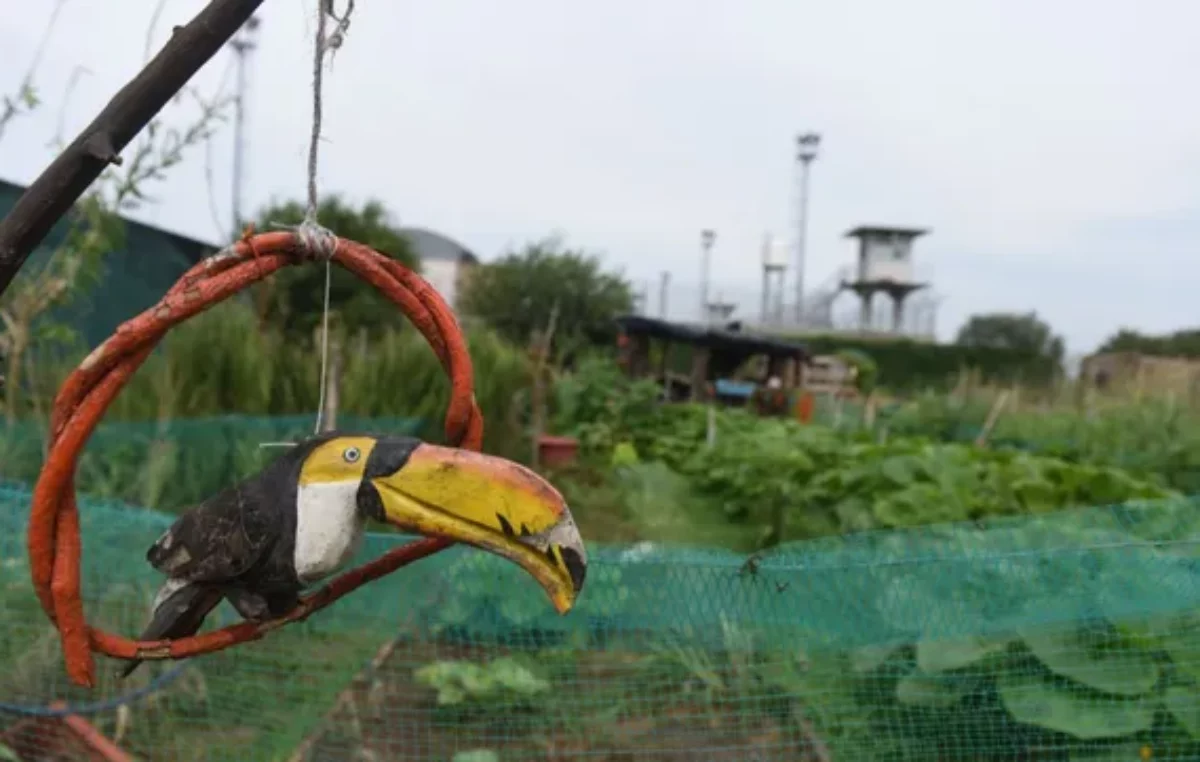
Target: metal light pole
[[243, 44], [707, 238], [806, 150]]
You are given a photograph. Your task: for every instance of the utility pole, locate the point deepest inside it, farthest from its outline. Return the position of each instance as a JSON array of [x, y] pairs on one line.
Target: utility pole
[[243, 45], [806, 150], [707, 238], [664, 285]]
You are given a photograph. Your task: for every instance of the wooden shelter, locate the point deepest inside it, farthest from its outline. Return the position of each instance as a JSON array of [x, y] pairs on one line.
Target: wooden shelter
[[702, 362], [831, 374], [1135, 373]]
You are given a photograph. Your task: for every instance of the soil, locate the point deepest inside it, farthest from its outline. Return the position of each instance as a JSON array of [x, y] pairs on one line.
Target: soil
[[47, 740], [394, 719]]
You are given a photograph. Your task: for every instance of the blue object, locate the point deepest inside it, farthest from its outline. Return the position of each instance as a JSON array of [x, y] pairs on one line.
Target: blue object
[[729, 388]]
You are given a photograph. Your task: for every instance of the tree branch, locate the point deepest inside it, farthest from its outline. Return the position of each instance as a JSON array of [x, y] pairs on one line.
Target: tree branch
[[69, 175]]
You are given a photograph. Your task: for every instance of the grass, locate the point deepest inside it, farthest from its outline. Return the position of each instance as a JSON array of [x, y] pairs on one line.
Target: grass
[[221, 364], [1157, 438]]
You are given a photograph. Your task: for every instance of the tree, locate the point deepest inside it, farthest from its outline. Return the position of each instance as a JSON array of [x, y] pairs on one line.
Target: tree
[[1182, 343], [1005, 330], [294, 297], [517, 293]]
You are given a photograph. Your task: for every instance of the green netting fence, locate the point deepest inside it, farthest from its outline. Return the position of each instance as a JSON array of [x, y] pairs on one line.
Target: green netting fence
[[1069, 636]]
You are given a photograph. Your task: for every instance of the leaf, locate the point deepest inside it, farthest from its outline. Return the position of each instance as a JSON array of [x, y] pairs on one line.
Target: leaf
[[511, 674], [450, 695], [904, 603], [7, 754], [854, 515], [624, 454], [898, 470], [870, 658], [1034, 701], [1149, 632], [934, 656], [1183, 703], [1183, 646], [1076, 654], [916, 689]]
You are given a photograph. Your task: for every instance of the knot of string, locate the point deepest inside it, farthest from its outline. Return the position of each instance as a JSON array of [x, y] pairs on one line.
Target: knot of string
[[317, 242]]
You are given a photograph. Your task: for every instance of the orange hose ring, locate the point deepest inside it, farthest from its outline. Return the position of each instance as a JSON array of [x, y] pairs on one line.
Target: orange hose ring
[[54, 541]]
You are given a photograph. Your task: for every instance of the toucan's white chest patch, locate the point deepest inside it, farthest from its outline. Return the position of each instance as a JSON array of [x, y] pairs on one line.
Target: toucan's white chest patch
[[329, 528]]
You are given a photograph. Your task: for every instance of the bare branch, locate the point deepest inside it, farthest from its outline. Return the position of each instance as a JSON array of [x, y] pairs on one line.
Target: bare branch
[[26, 96], [208, 182], [154, 17], [76, 73], [69, 175]]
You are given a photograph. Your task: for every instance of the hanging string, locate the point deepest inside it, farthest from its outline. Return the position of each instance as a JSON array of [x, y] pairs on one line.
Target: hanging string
[[322, 45], [317, 239]]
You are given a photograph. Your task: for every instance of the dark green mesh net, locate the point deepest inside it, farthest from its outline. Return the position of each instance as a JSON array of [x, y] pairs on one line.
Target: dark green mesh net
[[1067, 636]]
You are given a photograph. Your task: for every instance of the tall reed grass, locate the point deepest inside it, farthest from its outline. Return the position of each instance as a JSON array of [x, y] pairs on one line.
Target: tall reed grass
[[220, 372]]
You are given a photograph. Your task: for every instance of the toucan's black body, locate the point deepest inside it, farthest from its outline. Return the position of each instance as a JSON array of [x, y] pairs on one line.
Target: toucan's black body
[[260, 542], [240, 544]]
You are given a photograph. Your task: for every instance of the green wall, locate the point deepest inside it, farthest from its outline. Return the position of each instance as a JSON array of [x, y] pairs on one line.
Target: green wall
[[133, 277]]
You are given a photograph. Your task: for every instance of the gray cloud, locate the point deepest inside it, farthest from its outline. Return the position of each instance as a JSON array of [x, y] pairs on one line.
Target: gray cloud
[[1050, 146]]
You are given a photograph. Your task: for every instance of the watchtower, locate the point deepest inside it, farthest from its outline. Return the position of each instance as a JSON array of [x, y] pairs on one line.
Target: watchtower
[[774, 268], [885, 264]]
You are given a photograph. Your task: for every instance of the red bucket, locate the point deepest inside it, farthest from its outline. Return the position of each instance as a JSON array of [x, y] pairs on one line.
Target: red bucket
[[557, 451]]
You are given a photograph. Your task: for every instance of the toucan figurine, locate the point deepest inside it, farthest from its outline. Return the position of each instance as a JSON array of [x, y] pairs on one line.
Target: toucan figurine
[[262, 541]]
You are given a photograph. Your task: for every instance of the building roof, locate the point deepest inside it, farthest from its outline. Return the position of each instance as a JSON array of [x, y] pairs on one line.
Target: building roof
[[133, 276], [719, 339], [863, 231], [428, 245]]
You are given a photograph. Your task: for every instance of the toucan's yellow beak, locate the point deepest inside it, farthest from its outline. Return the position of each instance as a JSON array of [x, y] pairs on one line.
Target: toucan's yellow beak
[[485, 501]]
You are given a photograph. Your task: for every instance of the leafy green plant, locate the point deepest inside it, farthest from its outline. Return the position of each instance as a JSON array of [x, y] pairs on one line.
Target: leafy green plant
[[867, 375], [1054, 668], [500, 684], [603, 407], [789, 481]]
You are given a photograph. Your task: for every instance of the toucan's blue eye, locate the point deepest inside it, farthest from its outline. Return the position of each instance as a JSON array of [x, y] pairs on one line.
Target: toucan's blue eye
[[351, 455]]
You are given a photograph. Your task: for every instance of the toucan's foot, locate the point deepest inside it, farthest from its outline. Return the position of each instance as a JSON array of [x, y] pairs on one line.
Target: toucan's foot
[[255, 607], [129, 668]]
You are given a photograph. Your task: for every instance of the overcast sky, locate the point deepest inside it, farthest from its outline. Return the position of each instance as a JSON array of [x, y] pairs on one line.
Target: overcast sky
[[1053, 148]]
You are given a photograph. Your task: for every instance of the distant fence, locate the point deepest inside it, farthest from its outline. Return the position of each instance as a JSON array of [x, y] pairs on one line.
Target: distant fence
[[1069, 636]]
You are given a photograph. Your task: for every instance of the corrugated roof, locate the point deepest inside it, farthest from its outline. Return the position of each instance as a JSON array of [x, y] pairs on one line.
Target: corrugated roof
[[134, 278], [716, 338], [875, 230]]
